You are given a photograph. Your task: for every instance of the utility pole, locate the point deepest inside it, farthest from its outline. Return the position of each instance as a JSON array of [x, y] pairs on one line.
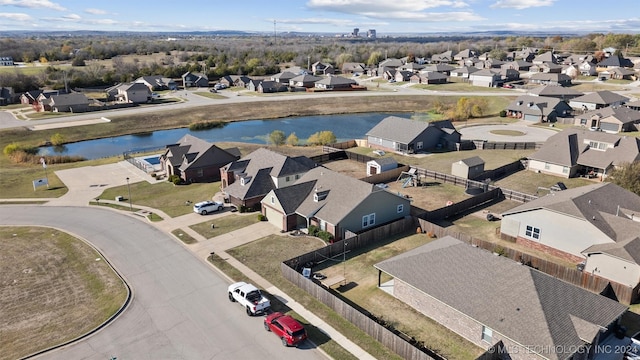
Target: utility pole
[[275, 36], [129, 188]]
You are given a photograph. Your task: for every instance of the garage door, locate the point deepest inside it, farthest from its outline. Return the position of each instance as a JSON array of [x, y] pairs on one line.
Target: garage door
[[530, 117], [605, 126], [274, 217]]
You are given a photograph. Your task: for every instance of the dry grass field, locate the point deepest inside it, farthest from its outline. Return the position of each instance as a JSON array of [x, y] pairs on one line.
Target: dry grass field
[[53, 288]]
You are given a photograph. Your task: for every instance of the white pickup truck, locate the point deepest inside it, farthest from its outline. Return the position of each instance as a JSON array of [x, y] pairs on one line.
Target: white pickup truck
[[249, 297]]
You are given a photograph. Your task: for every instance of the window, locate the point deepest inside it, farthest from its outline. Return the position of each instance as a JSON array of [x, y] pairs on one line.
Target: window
[[368, 220], [297, 176], [487, 334], [400, 209], [532, 232], [419, 145], [273, 199], [287, 179], [547, 166], [200, 172], [565, 169]]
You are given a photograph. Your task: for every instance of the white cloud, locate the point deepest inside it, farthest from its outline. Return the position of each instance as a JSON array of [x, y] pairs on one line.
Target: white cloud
[[33, 4], [95, 11], [381, 6], [522, 4], [15, 16], [73, 17], [316, 21], [427, 16]]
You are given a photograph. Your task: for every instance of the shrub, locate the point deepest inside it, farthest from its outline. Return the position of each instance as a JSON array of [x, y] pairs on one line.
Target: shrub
[[57, 139], [324, 235], [313, 230], [503, 113], [11, 148], [261, 217], [175, 179], [242, 209], [206, 125]]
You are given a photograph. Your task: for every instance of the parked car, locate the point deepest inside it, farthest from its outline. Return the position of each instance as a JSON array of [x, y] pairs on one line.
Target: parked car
[[507, 86], [633, 350], [205, 207], [250, 297], [213, 90], [288, 329], [219, 86]]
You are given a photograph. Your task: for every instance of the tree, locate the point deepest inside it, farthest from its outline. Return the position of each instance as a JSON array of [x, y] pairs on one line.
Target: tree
[[277, 137], [322, 138], [627, 176], [292, 139], [57, 139]]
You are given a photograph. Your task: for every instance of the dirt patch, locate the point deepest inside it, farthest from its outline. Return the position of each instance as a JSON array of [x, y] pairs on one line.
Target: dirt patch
[[53, 288]]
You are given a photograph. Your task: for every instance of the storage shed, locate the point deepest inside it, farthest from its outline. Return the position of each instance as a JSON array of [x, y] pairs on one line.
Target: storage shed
[[376, 166], [468, 168]]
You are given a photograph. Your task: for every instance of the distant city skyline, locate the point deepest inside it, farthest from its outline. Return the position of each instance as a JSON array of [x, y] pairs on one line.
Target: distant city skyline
[[323, 16]]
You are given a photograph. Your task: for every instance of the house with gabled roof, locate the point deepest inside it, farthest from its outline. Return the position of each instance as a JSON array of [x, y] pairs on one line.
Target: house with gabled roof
[[196, 160], [403, 75], [411, 66], [73, 102], [445, 57], [615, 61], [158, 82], [353, 68], [538, 108], [572, 223], [598, 100], [335, 83], [440, 68], [635, 105], [546, 67], [555, 91], [334, 202], [235, 80], [588, 68], [519, 65], [190, 79], [580, 152], [135, 93], [304, 81], [464, 54], [320, 68], [463, 72], [403, 135], [431, 77], [283, 77], [610, 119], [247, 180], [550, 79], [546, 57], [485, 78], [7, 96], [621, 73], [389, 64], [268, 86], [495, 302]]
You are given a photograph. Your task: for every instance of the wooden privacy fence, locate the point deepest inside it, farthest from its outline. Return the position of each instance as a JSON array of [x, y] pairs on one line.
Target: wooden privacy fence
[[500, 172], [462, 206], [487, 145], [386, 176], [625, 294]]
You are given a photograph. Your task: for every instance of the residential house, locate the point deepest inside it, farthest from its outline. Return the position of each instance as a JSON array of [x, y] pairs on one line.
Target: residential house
[[486, 78], [440, 68], [507, 75], [464, 54], [588, 68], [335, 83], [403, 75], [445, 57], [266, 86], [6, 61], [546, 57], [555, 91], [468, 168], [619, 73], [527, 54], [492, 63], [283, 77], [410, 136], [546, 68], [353, 68], [597, 100], [580, 152], [319, 68], [190, 79], [495, 302], [413, 67], [463, 72], [428, 78], [610, 119], [135, 93], [6, 95], [635, 105], [550, 79], [538, 108], [615, 61], [598, 219], [388, 64], [333, 202], [158, 82], [74, 102], [519, 65], [246, 181], [304, 81], [196, 160], [235, 80], [390, 74]]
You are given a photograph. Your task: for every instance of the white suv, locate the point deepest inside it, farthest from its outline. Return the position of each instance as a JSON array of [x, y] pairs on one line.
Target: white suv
[[205, 207]]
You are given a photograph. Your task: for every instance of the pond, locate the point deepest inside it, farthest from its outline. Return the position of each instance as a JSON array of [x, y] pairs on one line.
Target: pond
[[345, 127]]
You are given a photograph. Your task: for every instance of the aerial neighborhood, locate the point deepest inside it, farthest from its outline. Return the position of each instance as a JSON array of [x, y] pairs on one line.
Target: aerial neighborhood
[[504, 248]]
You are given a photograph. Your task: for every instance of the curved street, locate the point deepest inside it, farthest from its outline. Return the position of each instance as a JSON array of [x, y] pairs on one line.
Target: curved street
[[179, 308], [485, 132]]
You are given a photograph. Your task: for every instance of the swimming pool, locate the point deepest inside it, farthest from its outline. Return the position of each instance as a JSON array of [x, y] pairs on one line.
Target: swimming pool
[[152, 160]]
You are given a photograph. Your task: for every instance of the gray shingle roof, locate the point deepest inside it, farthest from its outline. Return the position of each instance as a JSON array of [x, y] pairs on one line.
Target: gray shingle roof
[[537, 105], [623, 114], [554, 91], [568, 148], [193, 152], [398, 129], [603, 97], [598, 204], [473, 161], [528, 306]]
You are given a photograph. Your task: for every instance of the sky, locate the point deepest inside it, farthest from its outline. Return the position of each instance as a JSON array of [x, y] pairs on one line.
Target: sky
[[322, 16]]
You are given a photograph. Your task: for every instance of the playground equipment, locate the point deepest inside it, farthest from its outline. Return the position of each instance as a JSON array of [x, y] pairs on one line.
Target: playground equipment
[[408, 178]]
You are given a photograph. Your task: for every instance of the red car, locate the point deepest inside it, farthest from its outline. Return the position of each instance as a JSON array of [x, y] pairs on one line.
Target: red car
[[288, 329]]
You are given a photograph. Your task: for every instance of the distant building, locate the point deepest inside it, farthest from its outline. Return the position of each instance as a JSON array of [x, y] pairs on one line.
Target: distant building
[[371, 33], [6, 61], [355, 32]]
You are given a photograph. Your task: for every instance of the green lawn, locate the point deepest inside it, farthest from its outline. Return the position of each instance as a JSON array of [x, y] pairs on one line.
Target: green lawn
[[225, 224], [172, 199]]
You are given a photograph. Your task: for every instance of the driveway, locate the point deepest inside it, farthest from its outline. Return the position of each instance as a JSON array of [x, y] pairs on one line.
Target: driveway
[[484, 132], [179, 308]]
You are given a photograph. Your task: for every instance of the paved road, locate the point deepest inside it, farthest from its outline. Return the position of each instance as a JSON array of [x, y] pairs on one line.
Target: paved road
[[179, 310]]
